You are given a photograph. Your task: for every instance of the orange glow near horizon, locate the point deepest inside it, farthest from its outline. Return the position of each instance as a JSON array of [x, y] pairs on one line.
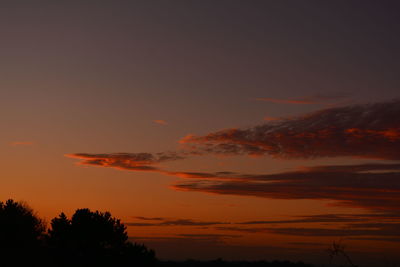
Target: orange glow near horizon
[[212, 129]]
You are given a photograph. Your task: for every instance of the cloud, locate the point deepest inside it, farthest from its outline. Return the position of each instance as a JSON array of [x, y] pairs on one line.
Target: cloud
[[161, 122], [149, 218], [126, 161], [387, 239], [326, 232], [193, 237], [388, 229], [269, 118], [251, 230], [362, 131], [383, 226], [309, 244], [22, 143], [373, 226], [177, 222], [369, 231], [370, 186], [210, 236], [374, 187], [368, 131], [321, 218]]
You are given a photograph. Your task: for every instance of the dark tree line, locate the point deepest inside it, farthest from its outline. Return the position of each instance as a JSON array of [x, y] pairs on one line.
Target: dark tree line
[[86, 239]]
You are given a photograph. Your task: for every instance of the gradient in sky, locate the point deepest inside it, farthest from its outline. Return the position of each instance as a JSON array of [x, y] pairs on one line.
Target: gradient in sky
[[234, 129]]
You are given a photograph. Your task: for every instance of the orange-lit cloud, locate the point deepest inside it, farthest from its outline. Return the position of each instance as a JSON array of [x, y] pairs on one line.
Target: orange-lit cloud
[[126, 161], [361, 131], [370, 186], [176, 222], [367, 131], [269, 118], [161, 122]]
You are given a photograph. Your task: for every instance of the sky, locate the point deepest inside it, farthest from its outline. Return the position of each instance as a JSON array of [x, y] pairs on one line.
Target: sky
[[233, 129]]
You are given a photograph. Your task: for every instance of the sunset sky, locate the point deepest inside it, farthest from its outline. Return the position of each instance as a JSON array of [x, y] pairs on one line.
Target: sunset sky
[[212, 128]]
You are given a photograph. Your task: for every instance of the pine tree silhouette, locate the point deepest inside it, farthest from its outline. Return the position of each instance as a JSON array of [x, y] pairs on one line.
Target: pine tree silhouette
[[21, 233]]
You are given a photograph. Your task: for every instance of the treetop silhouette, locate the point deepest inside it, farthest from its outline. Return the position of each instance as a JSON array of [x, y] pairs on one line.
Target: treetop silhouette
[[21, 232], [88, 238], [94, 238]]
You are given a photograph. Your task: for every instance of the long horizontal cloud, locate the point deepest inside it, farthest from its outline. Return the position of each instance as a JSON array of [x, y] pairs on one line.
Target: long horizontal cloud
[[353, 220], [365, 226], [321, 218], [384, 231], [387, 239], [193, 237], [387, 230], [368, 131], [126, 161], [149, 218], [370, 186], [176, 222], [21, 143]]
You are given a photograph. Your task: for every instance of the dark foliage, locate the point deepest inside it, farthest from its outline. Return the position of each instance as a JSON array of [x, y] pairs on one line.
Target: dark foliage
[[87, 239], [21, 233], [94, 239]]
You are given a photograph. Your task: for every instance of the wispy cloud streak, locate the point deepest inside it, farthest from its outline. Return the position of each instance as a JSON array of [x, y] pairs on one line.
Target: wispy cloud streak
[[366, 131], [126, 161], [161, 122], [175, 222]]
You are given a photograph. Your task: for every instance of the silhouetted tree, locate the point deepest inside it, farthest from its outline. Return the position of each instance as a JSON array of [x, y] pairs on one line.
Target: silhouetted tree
[[139, 254], [21, 233], [338, 249], [88, 239], [93, 239], [59, 240]]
